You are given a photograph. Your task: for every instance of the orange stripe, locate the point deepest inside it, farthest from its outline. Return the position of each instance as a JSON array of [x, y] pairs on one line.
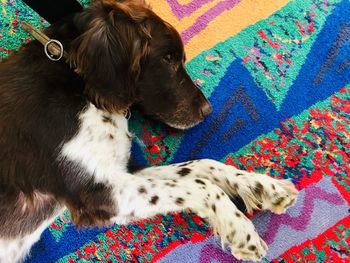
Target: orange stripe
[[229, 23]]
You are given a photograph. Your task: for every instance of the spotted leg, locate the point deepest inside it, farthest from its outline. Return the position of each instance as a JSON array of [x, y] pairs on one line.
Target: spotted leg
[[139, 197], [258, 191]]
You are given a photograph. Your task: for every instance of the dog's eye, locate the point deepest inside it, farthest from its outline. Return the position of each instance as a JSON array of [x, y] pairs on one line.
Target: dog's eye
[[168, 58]]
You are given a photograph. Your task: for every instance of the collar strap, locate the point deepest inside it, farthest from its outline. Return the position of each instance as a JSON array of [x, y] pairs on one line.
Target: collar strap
[[53, 48]]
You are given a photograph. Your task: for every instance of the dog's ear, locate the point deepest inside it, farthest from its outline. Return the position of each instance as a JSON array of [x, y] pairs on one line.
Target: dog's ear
[[109, 52]]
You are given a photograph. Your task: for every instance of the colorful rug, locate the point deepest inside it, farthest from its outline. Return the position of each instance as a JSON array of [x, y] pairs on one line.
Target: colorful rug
[[278, 75]]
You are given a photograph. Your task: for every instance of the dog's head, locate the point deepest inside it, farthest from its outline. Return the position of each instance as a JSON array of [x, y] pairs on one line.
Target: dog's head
[[128, 56]]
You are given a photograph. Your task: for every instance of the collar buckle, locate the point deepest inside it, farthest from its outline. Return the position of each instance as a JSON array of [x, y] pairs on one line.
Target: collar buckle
[[52, 55], [53, 48]]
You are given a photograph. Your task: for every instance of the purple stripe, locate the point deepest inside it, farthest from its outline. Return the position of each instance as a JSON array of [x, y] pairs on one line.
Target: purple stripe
[[185, 10], [300, 223], [211, 253], [203, 21]]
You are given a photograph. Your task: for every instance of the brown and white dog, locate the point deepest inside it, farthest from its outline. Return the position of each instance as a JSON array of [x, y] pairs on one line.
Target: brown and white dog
[[64, 140]]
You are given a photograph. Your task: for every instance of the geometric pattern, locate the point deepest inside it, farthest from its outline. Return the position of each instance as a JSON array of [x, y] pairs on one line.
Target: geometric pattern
[[278, 76], [196, 20]]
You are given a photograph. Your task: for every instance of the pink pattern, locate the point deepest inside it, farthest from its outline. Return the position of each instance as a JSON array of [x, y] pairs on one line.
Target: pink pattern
[[203, 21], [181, 11]]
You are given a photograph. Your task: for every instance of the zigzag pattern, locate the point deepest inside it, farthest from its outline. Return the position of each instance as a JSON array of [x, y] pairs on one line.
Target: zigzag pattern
[[318, 208], [333, 243], [291, 68], [300, 222]]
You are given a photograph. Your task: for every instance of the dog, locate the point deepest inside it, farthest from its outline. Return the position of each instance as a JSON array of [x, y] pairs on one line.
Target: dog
[[65, 144]]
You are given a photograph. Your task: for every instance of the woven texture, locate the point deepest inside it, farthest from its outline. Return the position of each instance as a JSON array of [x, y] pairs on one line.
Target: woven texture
[[278, 74]]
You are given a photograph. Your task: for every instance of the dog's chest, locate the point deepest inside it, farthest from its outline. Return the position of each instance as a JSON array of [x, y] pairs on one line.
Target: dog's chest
[[101, 147]]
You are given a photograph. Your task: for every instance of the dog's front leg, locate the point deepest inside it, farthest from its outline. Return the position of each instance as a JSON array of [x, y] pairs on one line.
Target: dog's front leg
[[140, 197], [256, 190]]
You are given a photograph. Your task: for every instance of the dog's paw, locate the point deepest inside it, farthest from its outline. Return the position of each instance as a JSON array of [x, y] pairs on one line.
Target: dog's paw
[[237, 231], [280, 195], [260, 191], [240, 235]]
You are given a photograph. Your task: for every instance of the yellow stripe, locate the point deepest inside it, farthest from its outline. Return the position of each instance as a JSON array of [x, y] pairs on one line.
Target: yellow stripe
[[228, 24]]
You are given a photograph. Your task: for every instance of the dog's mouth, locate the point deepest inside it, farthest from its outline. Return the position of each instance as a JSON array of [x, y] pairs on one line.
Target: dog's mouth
[[181, 126], [186, 119], [179, 122], [182, 118]]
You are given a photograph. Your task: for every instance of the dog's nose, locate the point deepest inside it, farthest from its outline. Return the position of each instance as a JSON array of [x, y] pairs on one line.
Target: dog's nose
[[206, 109]]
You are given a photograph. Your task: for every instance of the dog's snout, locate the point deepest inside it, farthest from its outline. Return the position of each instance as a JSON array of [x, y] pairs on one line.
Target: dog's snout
[[206, 109]]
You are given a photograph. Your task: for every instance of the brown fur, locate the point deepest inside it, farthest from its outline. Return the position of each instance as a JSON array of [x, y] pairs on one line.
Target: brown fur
[[122, 54]]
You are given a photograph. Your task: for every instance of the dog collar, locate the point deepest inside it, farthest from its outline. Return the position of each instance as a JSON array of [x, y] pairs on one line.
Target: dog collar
[[53, 48]]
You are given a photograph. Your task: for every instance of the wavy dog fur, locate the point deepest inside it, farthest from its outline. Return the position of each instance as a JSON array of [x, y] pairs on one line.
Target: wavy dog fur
[[120, 53], [65, 144]]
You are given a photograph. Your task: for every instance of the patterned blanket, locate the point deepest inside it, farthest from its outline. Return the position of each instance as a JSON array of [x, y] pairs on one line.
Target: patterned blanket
[[278, 75]]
